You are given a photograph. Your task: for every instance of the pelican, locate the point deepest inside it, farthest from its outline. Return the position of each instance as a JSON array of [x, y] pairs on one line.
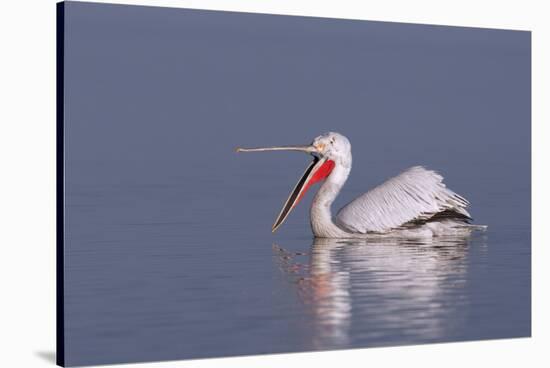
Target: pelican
[[415, 202]]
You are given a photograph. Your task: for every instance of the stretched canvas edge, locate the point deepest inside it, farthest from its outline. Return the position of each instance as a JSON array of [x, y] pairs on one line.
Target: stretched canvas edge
[[60, 185]]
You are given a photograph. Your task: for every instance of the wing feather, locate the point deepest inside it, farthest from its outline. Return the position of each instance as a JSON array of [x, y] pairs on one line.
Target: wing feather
[[416, 194]]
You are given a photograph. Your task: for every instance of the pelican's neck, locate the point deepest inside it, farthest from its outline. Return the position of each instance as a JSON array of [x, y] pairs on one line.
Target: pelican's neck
[[320, 215]]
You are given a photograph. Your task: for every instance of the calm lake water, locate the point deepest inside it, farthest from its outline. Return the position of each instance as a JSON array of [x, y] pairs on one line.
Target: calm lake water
[[168, 246], [149, 280]]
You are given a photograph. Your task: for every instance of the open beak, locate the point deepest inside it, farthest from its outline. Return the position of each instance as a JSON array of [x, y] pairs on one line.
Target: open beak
[[307, 149], [318, 170]]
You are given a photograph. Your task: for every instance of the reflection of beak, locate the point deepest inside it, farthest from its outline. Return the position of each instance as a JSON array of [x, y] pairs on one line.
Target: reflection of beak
[[319, 169]]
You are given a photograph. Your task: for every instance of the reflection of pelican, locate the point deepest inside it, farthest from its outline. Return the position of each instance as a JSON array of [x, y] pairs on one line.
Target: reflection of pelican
[[416, 201], [385, 291], [325, 291]]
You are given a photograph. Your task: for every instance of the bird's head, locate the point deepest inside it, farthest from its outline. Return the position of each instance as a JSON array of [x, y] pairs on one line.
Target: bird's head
[[333, 146], [328, 151]]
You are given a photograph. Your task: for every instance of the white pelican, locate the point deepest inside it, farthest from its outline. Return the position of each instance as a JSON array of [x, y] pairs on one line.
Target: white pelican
[[415, 202]]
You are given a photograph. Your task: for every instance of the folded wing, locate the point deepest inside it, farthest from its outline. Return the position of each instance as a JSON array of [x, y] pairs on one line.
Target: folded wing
[[413, 197]]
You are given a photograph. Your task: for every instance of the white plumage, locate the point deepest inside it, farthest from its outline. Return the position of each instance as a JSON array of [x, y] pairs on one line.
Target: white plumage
[[413, 203], [416, 194]]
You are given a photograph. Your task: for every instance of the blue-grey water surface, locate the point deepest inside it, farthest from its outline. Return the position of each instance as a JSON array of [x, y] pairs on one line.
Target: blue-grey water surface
[[168, 248]]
